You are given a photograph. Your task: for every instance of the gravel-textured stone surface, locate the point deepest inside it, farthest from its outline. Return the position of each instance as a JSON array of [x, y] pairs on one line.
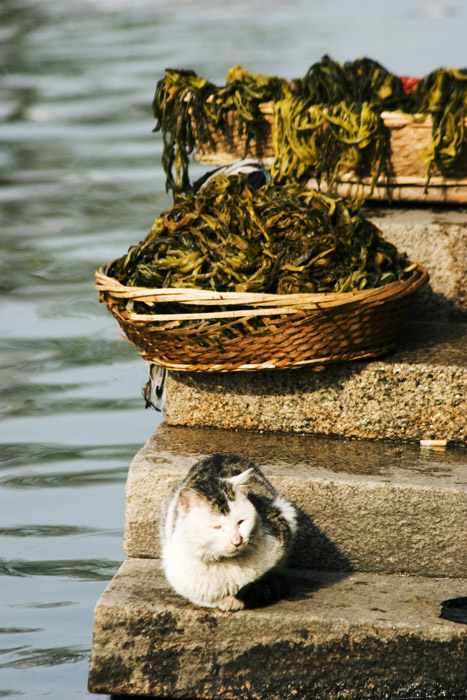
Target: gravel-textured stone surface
[[336, 637], [417, 392], [365, 505], [436, 238]]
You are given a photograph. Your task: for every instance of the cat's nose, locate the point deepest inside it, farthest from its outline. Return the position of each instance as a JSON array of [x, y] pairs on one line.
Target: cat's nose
[[236, 539]]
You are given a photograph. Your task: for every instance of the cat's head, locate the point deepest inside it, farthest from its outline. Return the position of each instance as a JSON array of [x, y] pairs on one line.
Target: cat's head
[[217, 517]]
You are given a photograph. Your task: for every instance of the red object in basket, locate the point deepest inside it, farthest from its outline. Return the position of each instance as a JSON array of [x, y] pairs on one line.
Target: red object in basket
[[409, 83]]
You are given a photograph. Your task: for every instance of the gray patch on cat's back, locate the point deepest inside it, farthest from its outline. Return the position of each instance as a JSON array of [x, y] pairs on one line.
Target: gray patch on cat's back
[[272, 519]]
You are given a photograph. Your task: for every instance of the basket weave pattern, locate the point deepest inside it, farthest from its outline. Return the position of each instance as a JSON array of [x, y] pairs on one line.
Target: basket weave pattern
[[289, 331]]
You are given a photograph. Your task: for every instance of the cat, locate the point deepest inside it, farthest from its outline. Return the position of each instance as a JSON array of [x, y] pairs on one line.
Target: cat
[[226, 534]]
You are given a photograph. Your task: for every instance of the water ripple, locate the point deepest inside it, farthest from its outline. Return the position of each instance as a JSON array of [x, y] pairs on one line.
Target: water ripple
[[18, 454], [19, 630], [65, 479], [49, 531], [55, 656], [83, 569], [59, 353], [47, 606], [40, 407]]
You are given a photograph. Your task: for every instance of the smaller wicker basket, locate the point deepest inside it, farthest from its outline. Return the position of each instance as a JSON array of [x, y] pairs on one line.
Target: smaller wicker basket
[[260, 331]]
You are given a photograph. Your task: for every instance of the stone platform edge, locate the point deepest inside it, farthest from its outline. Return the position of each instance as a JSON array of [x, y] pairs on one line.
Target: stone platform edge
[[334, 637], [417, 392]]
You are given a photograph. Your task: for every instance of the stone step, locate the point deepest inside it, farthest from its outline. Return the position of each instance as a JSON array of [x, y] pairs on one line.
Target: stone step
[[366, 506], [436, 238], [417, 392], [336, 636]]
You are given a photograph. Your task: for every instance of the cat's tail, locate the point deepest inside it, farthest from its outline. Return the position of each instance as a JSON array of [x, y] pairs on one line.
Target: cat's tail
[[270, 588]]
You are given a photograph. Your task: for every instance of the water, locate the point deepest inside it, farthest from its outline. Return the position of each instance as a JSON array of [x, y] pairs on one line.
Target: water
[[81, 182]]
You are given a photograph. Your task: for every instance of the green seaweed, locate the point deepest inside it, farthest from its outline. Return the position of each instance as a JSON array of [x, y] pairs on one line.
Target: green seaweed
[[316, 141], [274, 239], [328, 82], [443, 95], [185, 106], [330, 118]]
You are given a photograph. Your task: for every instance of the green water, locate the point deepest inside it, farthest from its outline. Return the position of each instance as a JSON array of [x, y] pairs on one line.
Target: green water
[[81, 181]]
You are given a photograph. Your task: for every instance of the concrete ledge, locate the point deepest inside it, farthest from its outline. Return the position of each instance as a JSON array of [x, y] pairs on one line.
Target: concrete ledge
[[366, 506], [436, 238], [334, 638], [417, 392]]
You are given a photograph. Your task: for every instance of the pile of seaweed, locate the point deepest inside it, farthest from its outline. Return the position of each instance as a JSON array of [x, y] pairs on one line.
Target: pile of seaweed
[[329, 118], [273, 239]]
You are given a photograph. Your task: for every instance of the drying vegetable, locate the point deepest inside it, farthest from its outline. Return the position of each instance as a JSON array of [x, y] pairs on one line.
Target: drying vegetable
[[315, 141], [354, 82], [232, 237], [443, 95], [184, 102], [330, 118]]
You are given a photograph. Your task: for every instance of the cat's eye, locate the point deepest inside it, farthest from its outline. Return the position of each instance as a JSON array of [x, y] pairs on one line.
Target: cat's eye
[[240, 522], [216, 527]]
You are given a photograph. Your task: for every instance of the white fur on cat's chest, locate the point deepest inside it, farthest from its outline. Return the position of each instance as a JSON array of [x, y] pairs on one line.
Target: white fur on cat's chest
[[205, 583]]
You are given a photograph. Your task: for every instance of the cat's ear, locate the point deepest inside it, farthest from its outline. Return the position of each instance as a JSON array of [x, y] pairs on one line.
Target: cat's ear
[[188, 499], [240, 481]]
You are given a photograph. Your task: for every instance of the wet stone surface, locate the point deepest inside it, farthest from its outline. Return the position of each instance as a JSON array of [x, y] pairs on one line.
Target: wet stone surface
[[364, 505]]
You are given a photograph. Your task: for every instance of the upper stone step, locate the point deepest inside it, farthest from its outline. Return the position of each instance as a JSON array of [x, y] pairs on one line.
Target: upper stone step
[[417, 392], [365, 506], [335, 637]]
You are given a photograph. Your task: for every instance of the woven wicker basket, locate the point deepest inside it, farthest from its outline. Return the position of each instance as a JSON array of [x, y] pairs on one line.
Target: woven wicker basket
[[262, 331]]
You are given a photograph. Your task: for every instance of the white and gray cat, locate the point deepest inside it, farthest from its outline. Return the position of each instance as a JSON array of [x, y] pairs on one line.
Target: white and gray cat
[[226, 534]]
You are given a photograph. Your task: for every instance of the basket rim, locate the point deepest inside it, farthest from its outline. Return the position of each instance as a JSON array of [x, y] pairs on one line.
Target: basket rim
[[113, 291]]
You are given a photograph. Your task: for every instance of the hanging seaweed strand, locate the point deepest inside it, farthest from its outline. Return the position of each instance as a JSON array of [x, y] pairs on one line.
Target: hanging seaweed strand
[[187, 107], [179, 101], [335, 122], [317, 141], [443, 95]]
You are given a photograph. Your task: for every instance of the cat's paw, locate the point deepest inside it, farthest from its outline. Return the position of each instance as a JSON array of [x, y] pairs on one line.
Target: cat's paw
[[230, 604]]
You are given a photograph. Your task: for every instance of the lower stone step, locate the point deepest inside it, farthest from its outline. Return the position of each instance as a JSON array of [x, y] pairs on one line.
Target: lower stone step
[[335, 637], [366, 506], [418, 392]]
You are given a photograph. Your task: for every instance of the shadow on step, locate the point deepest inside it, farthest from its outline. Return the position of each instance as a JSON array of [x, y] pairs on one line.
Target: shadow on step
[[314, 551], [434, 306], [303, 584]]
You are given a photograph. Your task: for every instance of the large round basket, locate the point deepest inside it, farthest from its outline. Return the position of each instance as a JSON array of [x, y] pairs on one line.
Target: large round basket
[[259, 331]]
